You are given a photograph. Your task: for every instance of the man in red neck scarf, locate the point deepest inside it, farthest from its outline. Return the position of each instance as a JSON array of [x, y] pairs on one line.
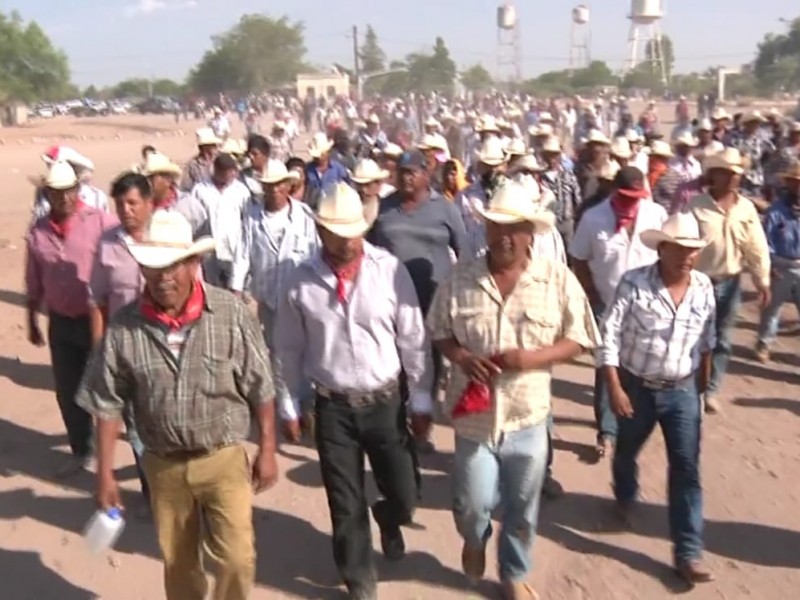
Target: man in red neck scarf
[[163, 175], [190, 362]]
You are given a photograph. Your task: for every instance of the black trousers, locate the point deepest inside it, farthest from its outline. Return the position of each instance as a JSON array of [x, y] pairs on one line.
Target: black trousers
[[345, 434], [70, 341]]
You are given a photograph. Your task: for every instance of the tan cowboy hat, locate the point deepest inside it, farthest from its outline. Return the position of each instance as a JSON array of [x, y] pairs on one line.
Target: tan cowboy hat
[[432, 141], [168, 240], [685, 139], [61, 176], [516, 147], [713, 147], [320, 144], [753, 115], [206, 137], [391, 150], [487, 124], [527, 162], [432, 122], [621, 147], [720, 114], [793, 172], [729, 159], [276, 172], [660, 148], [680, 228], [511, 203], [597, 137], [159, 164], [368, 171], [279, 125], [231, 146], [491, 152], [374, 119], [705, 125], [546, 117], [633, 136], [341, 212], [551, 145], [609, 170]]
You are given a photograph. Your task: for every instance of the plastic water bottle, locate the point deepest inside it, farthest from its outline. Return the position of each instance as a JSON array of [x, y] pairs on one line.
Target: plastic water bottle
[[103, 529]]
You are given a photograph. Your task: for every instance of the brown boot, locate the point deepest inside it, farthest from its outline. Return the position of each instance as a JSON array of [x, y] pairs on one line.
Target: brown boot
[[518, 590], [694, 571], [473, 562]]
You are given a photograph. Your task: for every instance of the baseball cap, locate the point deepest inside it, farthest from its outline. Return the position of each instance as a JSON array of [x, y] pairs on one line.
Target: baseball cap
[[413, 159]]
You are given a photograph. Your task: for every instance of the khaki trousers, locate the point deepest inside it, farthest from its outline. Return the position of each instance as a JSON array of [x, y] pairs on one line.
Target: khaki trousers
[[216, 488]]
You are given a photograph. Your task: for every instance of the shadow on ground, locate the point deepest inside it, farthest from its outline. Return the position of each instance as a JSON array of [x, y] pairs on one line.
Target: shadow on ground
[[24, 576]]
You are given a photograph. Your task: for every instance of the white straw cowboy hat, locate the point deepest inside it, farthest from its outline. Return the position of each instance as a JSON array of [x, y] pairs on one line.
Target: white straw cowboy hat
[[680, 228], [279, 125], [391, 150], [61, 176], [551, 145], [705, 125], [660, 148], [685, 139], [231, 146], [609, 170], [720, 114], [621, 147], [432, 122], [341, 212], [487, 124], [206, 137], [527, 163], [159, 164], [597, 137], [491, 152], [753, 115], [516, 147], [168, 240], [368, 171], [633, 136], [729, 159], [511, 203], [542, 130], [320, 144], [68, 155], [546, 117], [713, 147], [374, 119], [277, 172], [433, 141]]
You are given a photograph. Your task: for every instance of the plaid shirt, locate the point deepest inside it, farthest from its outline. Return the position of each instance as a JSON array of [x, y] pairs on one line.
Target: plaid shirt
[[197, 170], [199, 401], [564, 185], [754, 149], [547, 305], [645, 333], [269, 262]]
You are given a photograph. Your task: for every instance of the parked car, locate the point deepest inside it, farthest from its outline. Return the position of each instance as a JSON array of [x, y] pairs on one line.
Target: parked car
[[45, 111], [157, 106], [116, 107]]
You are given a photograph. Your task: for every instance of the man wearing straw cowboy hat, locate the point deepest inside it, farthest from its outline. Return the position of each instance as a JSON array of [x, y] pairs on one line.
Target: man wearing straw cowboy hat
[[84, 170], [60, 252], [658, 334], [592, 156], [503, 320], [756, 148], [322, 171], [191, 364], [368, 178], [350, 321], [199, 168], [163, 175], [782, 227], [736, 243], [564, 185], [277, 235]]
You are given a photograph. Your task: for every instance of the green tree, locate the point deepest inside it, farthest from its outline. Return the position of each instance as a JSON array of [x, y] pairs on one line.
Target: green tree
[[596, 74], [476, 78], [31, 68], [371, 55], [168, 87], [668, 51], [777, 64], [432, 72], [395, 84], [256, 54], [90, 92], [131, 88]]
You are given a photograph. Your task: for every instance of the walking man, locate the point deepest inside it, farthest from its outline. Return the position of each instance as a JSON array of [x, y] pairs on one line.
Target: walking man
[[656, 357], [350, 321], [199, 168], [191, 364]]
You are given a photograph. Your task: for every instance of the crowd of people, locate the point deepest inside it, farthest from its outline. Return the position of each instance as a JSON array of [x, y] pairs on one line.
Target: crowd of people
[[441, 268]]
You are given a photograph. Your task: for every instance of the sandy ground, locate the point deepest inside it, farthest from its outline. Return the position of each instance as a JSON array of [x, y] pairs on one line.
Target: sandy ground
[[749, 456]]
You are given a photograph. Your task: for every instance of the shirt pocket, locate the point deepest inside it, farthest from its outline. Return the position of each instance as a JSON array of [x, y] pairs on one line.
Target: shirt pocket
[[472, 328], [216, 377], [537, 329]]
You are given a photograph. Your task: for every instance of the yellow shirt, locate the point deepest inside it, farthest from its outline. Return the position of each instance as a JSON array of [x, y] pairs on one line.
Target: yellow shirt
[[547, 305], [736, 239]]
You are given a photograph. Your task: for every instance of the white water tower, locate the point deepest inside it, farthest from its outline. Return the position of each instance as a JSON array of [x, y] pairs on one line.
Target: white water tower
[[509, 45], [579, 38], [645, 18]]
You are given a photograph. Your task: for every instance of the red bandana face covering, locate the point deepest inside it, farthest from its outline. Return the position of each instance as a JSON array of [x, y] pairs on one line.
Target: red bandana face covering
[[343, 274], [62, 228], [626, 206], [192, 311]]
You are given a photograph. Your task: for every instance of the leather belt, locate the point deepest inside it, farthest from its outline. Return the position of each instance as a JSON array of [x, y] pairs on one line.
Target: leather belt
[[666, 384], [356, 398]]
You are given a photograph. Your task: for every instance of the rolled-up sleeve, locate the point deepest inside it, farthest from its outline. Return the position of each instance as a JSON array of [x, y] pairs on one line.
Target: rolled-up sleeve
[[290, 342], [99, 281], [611, 328], [578, 319], [106, 385], [412, 343], [252, 365]]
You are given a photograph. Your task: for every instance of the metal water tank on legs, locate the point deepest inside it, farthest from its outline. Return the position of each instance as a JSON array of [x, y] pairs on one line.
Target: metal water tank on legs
[[646, 11], [580, 14], [506, 16]]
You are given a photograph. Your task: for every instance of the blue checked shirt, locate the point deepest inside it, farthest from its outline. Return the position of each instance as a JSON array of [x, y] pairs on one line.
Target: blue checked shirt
[[755, 148], [645, 333], [269, 261]]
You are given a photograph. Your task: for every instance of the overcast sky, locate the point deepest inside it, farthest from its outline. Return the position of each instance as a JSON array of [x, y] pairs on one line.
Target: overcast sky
[[110, 40]]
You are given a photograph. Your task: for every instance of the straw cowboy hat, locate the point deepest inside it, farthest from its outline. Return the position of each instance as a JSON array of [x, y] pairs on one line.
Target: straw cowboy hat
[[597, 137], [542, 130], [374, 119], [491, 152], [511, 203], [158, 164], [279, 125], [368, 171], [713, 147], [546, 117], [168, 240], [551, 145], [231, 146], [61, 176], [69, 155], [391, 150], [206, 137], [681, 228], [685, 139], [320, 144], [729, 159], [793, 172], [516, 147], [432, 141], [660, 148], [487, 124], [527, 163], [276, 172], [794, 127], [633, 136], [341, 212], [621, 147], [609, 170], [753, 115], [720, 114], [432, 122], [705, 125]]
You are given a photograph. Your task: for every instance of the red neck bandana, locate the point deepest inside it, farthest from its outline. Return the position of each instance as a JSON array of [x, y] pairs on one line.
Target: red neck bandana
[[169, 200], [191, 311], [343, 274], [625, 210], [62, 228]]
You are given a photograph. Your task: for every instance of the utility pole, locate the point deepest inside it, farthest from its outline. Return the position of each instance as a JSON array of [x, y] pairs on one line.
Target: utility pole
[[356, 64]]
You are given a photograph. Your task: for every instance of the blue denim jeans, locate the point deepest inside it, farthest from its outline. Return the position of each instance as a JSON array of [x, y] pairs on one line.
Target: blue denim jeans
[[785, 288], [604, 418], [728, 295], [679, 414], [509, 474]]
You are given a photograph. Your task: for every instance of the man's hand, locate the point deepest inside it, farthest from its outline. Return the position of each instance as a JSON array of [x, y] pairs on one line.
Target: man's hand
[[764, 296], [513, 360], [620, 403], [291, 430], [35, 336], [108, 495], [478, 368], [421, 426], [265, 471]]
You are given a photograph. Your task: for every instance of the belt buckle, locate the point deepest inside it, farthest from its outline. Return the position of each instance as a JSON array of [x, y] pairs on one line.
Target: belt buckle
[[658, 384]]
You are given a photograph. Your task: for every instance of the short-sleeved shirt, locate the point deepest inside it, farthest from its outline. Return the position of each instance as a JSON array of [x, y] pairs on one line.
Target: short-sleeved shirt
[[199, 400], [547, 305], [116, 279], [422, 239]]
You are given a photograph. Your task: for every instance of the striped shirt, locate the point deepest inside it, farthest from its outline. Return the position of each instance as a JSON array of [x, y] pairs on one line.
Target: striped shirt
[[644, 332], [268, 260]]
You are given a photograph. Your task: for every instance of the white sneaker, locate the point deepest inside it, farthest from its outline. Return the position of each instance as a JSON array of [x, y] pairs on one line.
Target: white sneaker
[[711, 404]]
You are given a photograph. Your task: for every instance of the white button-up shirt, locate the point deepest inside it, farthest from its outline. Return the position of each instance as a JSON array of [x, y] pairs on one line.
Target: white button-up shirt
[[360, 345], [224, 209], [611, 253], [688, 168]]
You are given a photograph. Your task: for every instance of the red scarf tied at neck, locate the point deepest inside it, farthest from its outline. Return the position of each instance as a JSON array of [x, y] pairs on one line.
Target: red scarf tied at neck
[[169, 200], [192, 310], [343, 274], [63, 227], [625, 204]]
